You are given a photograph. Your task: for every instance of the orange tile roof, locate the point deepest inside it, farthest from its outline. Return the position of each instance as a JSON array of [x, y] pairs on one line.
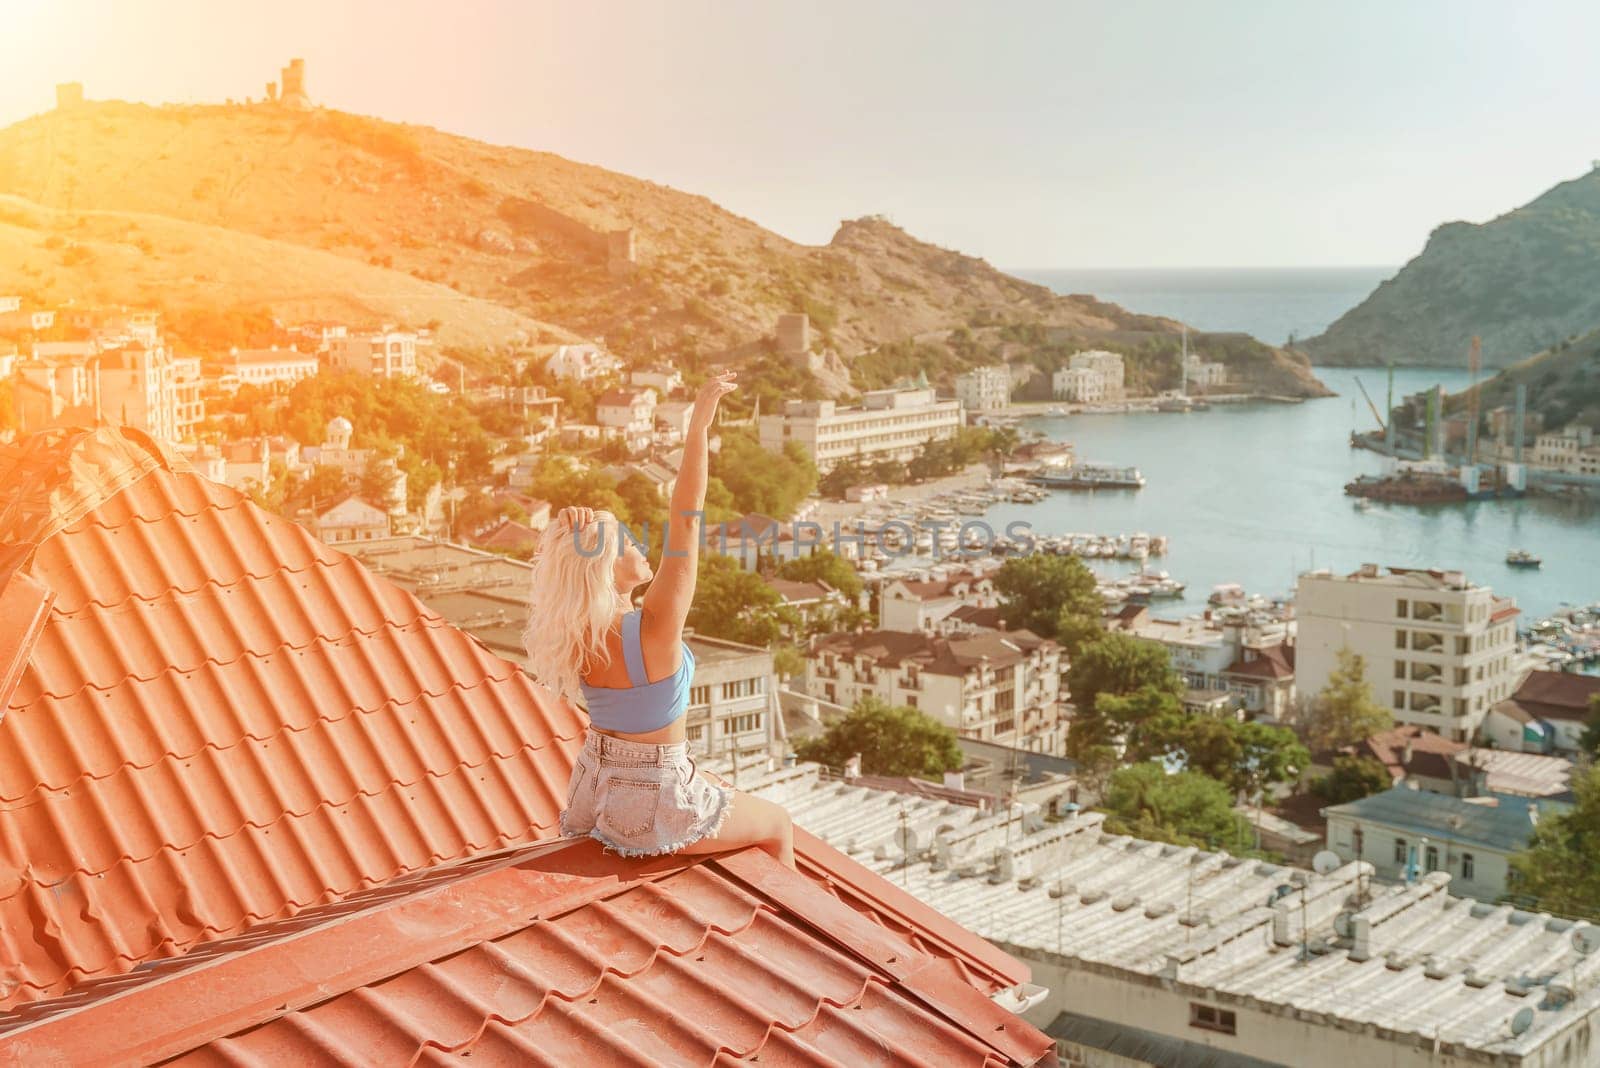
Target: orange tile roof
[[228, 743], [222, 720], [553, 954]]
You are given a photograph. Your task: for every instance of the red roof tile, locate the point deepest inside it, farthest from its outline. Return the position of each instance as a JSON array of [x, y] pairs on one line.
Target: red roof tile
[[222, 721], [552, 954], [1557, 694]]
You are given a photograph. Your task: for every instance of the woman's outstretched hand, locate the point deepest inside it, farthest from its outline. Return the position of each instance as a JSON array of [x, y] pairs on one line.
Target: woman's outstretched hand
[[705, 402]]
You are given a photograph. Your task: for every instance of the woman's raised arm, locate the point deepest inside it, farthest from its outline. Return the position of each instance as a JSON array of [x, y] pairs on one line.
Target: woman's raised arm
[[667, 601]]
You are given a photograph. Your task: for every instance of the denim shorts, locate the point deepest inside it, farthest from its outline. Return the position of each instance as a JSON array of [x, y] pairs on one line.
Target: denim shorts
[[641, 799]]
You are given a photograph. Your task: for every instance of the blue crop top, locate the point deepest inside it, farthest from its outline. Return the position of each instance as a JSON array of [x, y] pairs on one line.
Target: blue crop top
[[642, 705]]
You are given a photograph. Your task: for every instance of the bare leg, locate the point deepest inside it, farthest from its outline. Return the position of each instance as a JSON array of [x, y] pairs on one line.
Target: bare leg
[[753, 821]]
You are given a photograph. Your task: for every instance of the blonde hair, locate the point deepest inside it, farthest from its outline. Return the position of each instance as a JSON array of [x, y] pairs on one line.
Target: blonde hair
[[574, 602]]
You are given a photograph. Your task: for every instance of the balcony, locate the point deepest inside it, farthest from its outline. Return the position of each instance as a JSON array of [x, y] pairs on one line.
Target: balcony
[[1424, 642], [1426, 673]]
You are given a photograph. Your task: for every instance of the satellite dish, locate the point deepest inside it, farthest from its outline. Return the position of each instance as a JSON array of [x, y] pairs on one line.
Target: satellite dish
[[1521, 1021], [1585, 938], [905, 839], [1325, 861]]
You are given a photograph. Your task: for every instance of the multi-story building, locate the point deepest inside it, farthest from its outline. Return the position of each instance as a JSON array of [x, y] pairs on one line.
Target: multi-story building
[[918, 604], [984, 388], [266, 367], [349, 519], [132, 384], [998, 686], [889, 424], [664, 378], [385, 353], [733, 701], [628, 414], [1228, 653], [1405, 833], [1438, 649], [1090, 377], [1548, 712], [1570, 451]]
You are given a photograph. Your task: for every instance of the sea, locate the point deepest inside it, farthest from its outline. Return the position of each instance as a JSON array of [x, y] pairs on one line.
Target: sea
[[1254, 493]]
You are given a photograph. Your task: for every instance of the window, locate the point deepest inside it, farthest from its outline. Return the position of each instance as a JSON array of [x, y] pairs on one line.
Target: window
[[695, 733], [1399, 639], [1431, 860], [742, 724], [743, 688], [1399, 699], [911, 700], [1400, 855], [1211, 1018], [1399, 669], [700, 695], [1467, 866], [1400, 609]]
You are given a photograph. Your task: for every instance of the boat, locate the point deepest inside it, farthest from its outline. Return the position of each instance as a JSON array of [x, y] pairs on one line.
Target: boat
[[1090, 477], [1363, 504], [1522, 558], [1228, 595]]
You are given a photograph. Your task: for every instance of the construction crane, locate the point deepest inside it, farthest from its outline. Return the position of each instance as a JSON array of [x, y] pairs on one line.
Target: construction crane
[[1374, 407]]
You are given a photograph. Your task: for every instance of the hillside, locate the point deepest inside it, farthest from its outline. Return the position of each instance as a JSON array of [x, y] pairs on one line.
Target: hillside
[[1522, 282], [526, 232], [1563, 384]]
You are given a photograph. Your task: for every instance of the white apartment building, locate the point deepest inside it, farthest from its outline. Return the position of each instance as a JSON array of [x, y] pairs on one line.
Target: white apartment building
[[1252, 662], [996, 686], [984, 388], [733, 701], [1438, 649], [265, 367], [889, 424], [917, 604], [385, 353], [665, 379]]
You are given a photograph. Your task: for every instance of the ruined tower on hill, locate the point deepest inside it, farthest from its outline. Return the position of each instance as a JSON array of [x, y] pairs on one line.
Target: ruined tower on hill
[[291, 90]]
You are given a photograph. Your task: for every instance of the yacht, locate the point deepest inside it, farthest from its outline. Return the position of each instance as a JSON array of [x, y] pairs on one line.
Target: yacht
[[1522, 558]]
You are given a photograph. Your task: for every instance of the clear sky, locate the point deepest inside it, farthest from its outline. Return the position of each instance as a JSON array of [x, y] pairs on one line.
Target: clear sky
[[1043, 134]]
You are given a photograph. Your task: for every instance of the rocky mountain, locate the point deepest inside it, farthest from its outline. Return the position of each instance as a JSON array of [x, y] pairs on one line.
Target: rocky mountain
[[1563, 384], [323, 212], [1522, 282]]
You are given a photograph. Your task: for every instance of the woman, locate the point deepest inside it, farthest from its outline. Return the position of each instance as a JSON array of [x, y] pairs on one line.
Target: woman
[[635, 787]]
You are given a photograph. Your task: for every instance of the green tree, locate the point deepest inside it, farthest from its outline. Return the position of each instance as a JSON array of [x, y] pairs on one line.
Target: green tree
[[1184, 808], [738, 605], [324, 485], [1589, 742], [892, 740], [824, 565], [1345, 712], [1245, 757], [788, 662], [1352, 778], [760, 480], [1119, 664], [1050, 595], [1560, 869]]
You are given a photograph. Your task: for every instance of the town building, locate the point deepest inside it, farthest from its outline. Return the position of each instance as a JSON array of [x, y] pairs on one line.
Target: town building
[[1570, 451], [672, 423], [264, 805], [320, 334], [1172, 956], [349, 518], [889, 424], [810, 600], [582, 363], [754, 538], [1090, 377], [25, 319], [265, 367], [919, 603], [665, 379], [984, 388], [1547, 713], [1250, 661], [1204, 374], [1406, 832], [385, 353], [83, 383], [998, 686], [628, 414], [509, 536], [1438, 649], [733, 702]]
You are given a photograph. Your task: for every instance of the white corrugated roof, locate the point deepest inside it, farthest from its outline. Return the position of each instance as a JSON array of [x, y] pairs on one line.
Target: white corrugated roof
[[1437, 966]]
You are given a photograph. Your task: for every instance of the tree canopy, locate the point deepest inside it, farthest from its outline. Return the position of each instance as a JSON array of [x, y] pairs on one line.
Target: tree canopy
[[737, 605], [892, 740], [1345, 712], [824, 565], [1352, 778], [1119, 664], [760, 480], [1560, 869], [1049, 595], [1184, 808]]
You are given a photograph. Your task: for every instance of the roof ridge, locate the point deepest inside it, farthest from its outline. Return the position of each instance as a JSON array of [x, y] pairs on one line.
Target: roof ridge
[[86, 467], [284, 728], [432, 621], [324, 804]]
